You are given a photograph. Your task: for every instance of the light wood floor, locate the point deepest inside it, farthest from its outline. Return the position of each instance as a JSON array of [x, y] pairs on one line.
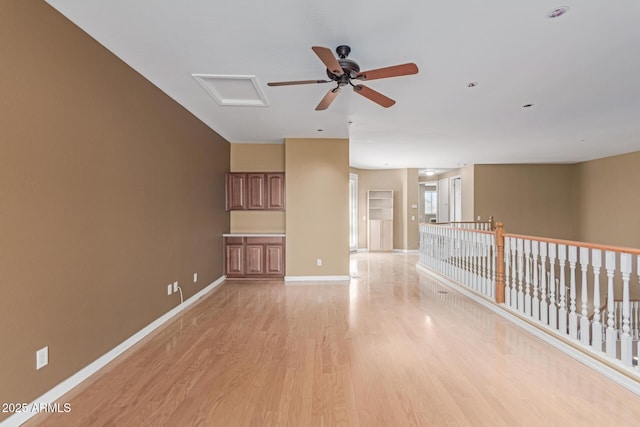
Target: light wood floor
[[392, 349]]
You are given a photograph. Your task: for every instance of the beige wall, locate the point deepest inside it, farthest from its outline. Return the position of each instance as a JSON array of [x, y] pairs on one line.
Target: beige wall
[[109, 190], [410, 191], [404, 183], [609, 200], [467, 176], [317, 223], [537, 200], [387, 179], [257, 158]]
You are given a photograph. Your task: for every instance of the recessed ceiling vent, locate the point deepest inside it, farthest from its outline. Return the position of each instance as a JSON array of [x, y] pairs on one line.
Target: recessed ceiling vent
[[232, 90]]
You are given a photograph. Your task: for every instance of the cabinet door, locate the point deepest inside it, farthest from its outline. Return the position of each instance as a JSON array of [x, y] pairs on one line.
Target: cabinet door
[[274, 260], [236, 191], [375, 235], [275, 191], [256, 186], [387, 235], [235, 260], [254, 260]]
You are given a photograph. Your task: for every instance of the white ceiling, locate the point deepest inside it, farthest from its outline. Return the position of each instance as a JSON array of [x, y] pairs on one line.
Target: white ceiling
[[580, 71]]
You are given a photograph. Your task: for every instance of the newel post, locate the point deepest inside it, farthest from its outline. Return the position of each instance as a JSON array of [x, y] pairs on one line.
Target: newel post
[[500, 263]]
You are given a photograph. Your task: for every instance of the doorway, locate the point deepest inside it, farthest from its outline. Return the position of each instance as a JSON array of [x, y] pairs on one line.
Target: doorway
[[353, 212]]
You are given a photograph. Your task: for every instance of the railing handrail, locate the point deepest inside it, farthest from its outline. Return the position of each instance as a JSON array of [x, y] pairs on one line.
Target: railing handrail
[[458, 228], [598, 246]]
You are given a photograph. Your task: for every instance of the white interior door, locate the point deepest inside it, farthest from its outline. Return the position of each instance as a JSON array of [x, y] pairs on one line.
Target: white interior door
[[443, 200]]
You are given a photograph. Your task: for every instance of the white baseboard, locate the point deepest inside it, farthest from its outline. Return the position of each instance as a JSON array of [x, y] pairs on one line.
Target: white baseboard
[[406, 251], [363, 250], [504, 311], [307, 280], [74, 380]]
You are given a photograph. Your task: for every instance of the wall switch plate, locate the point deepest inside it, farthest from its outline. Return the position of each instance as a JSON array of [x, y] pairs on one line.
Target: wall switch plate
[[319, 262], [169, 289], [195, 277], [413, 218], [175, 286], [42, 357]]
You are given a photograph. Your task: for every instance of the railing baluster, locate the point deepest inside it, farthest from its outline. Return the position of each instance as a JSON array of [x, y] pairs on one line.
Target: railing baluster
[[596, 327], [535, 302], [520, 274], [610, 265], [483, 245], [584, 295], [544, 307], [514, 268], [494, 273], [553, 309], [573, 316], [527, 277], [625, 341], [507, 264], [562, 310]]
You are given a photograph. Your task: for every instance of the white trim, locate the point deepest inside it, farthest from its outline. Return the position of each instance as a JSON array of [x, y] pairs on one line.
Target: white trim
[[502, 310], [74, 380], [406, 251], [363, 249], [206, 81], [306, 279]]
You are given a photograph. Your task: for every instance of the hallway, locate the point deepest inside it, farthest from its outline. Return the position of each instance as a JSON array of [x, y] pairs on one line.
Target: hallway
[[393, 348]]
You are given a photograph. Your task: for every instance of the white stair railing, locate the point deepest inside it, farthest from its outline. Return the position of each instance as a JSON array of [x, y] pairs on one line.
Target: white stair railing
[[564, 280], [463, 254]]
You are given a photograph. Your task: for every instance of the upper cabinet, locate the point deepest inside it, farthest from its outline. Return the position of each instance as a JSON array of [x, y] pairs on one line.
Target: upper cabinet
[[255, 191]]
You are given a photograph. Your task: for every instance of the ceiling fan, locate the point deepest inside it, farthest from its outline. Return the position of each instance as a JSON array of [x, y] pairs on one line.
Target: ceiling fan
[[342, 71]]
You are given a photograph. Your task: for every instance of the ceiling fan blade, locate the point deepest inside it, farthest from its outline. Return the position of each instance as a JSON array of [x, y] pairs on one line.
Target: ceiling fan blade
[[326, 56], [393, 71], [373, 95], [298, 82], [328, 99]]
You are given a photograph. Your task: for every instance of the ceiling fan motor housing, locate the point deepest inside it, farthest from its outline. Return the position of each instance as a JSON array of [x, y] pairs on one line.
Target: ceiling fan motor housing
[[350, 68]]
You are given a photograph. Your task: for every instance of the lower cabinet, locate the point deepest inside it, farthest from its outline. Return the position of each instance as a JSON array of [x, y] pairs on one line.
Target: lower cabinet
[[254, 257]]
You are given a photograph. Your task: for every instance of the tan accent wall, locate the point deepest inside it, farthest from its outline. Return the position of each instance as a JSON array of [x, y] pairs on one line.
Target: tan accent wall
[[109, 191], [609, 200], [537, 200], [317, 222], [257, 158]]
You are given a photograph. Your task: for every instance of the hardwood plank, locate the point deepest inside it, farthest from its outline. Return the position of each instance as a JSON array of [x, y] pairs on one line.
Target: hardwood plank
[[391, 349]]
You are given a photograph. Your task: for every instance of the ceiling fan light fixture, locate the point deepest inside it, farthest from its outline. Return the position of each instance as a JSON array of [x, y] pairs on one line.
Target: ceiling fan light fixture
[[557, 12]]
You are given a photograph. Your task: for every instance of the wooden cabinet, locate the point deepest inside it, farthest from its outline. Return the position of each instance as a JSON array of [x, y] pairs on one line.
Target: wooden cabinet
[[254, 257], [275, 191], [255, 191], [236, 189], [380, 224]]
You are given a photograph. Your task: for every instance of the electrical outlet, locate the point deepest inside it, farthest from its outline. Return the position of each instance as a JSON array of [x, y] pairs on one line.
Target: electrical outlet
[[175, 286], [169, 289], [319, 262], [42, 357], [195, 277]]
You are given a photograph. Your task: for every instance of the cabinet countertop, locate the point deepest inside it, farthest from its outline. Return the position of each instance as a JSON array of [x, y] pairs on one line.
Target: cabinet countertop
[[254, 235]]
